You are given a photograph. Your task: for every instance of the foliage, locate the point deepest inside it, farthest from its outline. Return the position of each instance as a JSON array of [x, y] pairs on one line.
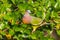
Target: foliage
[[11, 14]]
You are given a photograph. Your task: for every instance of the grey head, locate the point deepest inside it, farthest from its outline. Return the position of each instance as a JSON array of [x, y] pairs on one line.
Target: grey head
[[28, 11]]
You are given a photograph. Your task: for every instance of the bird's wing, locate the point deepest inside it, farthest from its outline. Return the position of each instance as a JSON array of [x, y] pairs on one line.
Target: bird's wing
[[36, 21]]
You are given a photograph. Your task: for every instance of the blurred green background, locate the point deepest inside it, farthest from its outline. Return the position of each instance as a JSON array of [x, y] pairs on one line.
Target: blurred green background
[[12, 12]]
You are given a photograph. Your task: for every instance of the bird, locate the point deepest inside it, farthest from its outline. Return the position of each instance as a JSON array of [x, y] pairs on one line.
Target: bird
[[28, 19], [54, 34]]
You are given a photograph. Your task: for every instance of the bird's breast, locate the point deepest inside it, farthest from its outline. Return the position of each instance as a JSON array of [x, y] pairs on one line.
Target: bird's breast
[[26, 19]]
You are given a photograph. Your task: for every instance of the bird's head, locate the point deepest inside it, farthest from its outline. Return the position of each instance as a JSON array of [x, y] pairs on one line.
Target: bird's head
[[28, 11]]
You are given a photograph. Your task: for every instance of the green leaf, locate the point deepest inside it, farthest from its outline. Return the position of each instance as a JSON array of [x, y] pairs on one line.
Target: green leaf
[[11, 32], [33, 36], [16, 28]]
